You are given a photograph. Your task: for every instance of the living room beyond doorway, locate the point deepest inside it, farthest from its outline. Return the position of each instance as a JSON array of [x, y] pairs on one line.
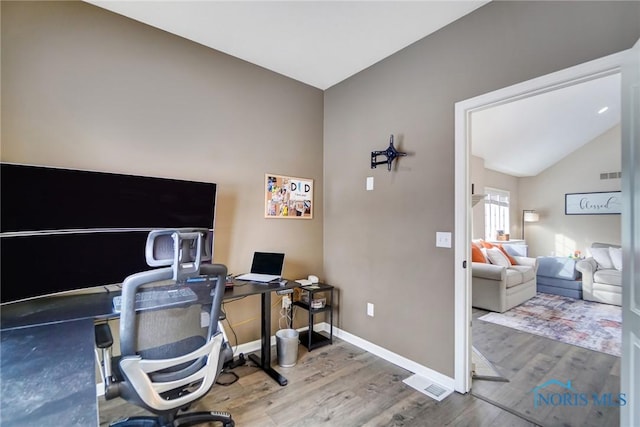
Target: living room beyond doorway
[[521, 356]]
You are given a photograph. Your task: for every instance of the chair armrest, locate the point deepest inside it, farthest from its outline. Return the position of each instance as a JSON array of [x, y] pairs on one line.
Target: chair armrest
[[103, 336], [586, 266], [488, 271]]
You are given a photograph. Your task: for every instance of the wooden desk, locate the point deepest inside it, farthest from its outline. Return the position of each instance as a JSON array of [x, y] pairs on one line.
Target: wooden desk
[[47, 370]]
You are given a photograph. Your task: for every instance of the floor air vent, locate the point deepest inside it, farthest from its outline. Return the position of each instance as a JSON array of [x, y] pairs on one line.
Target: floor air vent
[[428, 387], [436, 390]]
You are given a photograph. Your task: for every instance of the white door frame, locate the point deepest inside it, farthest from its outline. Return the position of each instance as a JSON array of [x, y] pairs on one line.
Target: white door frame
[[629, 369], [462, 312]]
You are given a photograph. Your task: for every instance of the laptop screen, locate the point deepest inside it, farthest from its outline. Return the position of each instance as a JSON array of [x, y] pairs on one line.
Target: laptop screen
[[267, 263]]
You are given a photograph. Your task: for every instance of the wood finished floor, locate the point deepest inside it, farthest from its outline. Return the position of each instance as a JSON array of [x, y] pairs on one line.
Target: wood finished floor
[[529, 360], [336, 385], [342, 385]]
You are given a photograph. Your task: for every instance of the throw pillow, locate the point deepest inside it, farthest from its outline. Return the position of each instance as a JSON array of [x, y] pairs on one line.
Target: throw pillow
[[487, 245], [497, 257], [616, 257], [511, 259], [476, 254], [601, 255]]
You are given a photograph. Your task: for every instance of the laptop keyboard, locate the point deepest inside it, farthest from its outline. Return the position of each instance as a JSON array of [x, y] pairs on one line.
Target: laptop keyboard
[[151, 299], [257, 277]]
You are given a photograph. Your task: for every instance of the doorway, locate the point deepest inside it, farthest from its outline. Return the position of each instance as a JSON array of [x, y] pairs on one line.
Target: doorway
[[463, 110], [463, 126]]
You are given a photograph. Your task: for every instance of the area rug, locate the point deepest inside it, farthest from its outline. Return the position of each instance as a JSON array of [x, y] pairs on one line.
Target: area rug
[[583, 323]]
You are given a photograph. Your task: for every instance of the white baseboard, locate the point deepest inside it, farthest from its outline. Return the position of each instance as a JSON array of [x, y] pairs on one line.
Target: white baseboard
[[392, 357], [381, 352], [250, 347]]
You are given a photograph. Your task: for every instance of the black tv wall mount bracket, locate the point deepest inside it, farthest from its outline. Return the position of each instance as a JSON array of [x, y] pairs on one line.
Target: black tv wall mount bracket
[[391, 154]]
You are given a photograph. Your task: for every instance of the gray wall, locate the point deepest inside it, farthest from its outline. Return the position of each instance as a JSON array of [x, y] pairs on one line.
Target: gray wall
[[85, 88], [379, 246]]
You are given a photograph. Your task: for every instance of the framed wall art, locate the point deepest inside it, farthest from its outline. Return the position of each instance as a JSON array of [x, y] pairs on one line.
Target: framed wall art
[[598, 203], [288, 197]]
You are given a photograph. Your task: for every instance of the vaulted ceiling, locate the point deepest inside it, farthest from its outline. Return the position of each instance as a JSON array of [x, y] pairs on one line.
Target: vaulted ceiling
[[525, 137], [319, 43]]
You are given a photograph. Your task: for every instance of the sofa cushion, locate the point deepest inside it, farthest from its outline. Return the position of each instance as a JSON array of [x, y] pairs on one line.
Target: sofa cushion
[[558, 283], [512, 260], [571, 293], [513, 277], [608, 277], [476, 254], [616, 257], [497, 257], [527, 272], [514, 249], [601, 255], [557, 267], [488, 245]]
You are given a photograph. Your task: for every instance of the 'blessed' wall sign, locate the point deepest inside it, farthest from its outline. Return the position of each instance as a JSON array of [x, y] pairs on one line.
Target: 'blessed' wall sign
[[601, 203]]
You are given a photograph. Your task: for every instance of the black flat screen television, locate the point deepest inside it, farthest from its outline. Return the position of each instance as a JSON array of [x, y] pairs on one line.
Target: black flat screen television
[[64, 229]]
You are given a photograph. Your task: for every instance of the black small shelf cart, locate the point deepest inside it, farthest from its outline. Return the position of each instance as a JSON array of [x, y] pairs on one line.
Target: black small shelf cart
[[310, 338]]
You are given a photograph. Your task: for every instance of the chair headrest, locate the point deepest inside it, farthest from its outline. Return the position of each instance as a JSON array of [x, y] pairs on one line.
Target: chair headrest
[[184, 249]]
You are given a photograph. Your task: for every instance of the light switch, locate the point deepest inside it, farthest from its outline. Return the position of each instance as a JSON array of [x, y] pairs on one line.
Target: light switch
[[369, 183], [443, 239]]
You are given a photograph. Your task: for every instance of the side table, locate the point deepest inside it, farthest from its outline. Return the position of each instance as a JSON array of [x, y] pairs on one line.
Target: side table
[[310, 338]]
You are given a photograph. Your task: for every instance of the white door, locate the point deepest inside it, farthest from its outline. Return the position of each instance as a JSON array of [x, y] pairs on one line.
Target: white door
[[630, 374]]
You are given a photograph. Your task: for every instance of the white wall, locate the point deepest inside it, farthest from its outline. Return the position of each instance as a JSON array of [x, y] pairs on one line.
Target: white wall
[[560, 234], [483, 178]]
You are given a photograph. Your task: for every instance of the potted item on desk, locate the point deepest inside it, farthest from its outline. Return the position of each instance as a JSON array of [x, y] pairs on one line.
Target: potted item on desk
[[502, 236]]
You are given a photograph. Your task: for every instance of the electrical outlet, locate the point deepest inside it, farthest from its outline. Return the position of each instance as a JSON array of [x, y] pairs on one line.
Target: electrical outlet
[[286, 301], [369, 309]]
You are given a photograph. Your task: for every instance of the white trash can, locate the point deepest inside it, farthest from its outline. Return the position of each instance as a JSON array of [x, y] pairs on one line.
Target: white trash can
[[287, 347]]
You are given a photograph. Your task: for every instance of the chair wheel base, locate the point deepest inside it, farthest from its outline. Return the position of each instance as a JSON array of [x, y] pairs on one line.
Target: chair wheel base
[[183, 420]]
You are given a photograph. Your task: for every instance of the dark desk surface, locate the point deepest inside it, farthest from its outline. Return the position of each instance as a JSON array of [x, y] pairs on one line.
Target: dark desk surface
[[47, 362], [48, 376], [242, 289], [98, 305]]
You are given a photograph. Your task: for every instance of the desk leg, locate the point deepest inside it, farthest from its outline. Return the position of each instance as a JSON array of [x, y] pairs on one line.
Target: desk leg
[[265, 352]]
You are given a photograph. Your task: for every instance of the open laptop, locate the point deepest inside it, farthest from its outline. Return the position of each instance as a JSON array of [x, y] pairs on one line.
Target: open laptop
[[265, 267]]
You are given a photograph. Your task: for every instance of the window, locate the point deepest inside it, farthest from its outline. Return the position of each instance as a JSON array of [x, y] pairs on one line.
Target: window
[[496, 212]]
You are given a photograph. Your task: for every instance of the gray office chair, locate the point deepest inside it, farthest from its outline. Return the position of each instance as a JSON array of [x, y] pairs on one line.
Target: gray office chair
[[168, 361]]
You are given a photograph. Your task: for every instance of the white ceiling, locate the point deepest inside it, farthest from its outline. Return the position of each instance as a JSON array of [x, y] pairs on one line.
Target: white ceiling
[[319, 43], [525, 137], [324, 42]]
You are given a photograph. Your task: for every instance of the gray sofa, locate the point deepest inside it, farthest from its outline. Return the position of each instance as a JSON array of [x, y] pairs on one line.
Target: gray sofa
[[558, 275], [600, 283], [497, 288]]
